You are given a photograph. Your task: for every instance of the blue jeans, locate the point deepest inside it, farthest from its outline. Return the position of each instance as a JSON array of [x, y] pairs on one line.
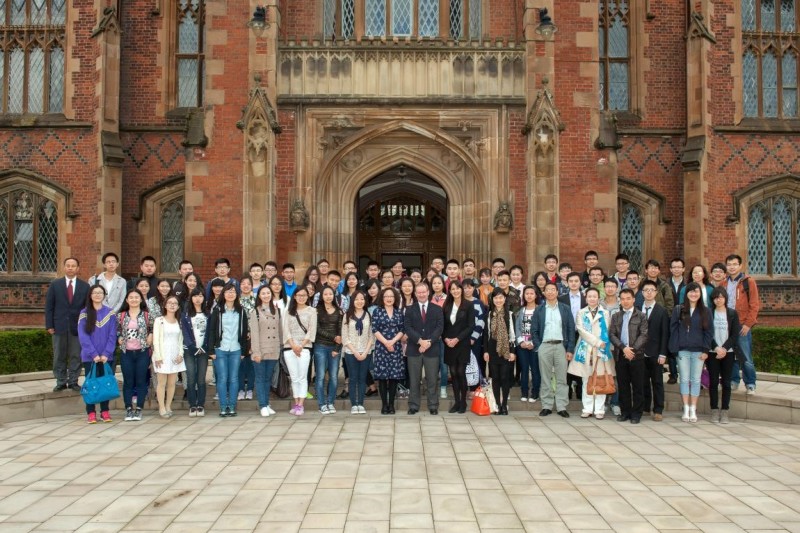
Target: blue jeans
[[246, 373], [358, 377], [746, 346], [227, 366], [263, 380], [690, 367], [134, 365], [196, 366], [529, 366], [442, 367], [324, 360]]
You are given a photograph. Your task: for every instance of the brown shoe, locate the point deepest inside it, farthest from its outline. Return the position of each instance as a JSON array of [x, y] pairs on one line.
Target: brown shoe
[[658, 417]]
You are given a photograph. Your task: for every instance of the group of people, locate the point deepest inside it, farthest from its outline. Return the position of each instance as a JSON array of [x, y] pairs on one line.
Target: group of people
[[556, 337]]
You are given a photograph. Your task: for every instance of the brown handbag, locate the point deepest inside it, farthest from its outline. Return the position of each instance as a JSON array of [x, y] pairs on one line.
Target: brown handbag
[[600, 384]]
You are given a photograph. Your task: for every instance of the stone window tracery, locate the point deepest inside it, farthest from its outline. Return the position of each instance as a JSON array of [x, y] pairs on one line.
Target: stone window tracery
[[32, 38], [189, 53], [631, 233], [773, 226], [28, 232], [172, 234], [615, 55], [770, 55]]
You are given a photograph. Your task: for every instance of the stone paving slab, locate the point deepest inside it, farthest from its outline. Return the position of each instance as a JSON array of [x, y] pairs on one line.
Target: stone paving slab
[[400, 473]]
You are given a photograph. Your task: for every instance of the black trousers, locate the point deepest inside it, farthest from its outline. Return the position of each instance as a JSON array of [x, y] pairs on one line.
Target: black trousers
[[716, 368], [502, 373], [458, 372], [653, 385], [630, 379]]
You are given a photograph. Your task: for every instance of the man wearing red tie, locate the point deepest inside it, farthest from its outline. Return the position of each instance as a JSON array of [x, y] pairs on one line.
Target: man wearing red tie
[[65, 298], [424, 324]]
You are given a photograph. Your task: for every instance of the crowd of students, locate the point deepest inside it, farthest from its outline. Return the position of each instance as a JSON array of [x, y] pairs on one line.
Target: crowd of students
[[550, 337]]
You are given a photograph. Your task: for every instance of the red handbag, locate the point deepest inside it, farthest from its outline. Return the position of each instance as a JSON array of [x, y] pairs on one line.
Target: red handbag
[[480, 405]]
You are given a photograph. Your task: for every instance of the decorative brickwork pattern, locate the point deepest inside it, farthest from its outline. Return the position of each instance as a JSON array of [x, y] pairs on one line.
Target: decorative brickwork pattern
[[20, 148], [142, 148]]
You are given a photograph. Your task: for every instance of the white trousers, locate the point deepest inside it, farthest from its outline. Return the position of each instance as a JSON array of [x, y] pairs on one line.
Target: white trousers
[[593, 404], [298, 371]]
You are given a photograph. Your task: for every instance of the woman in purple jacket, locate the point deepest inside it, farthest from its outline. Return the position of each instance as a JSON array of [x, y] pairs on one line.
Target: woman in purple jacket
[[97, 332]]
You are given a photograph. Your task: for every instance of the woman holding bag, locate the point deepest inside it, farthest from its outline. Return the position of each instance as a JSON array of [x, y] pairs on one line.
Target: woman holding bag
[[498, 339], [97, 333], [593, 353]]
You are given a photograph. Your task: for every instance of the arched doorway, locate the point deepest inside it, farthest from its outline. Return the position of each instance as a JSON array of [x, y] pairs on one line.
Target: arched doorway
[[402, 214]]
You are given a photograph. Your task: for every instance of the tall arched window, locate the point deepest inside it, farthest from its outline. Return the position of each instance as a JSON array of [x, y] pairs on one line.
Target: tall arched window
[[32, 39], [631, 234], [172, 235], [614, 46], [162, 222], [28, 232], [770, 55], [189, 57], [772, 236]]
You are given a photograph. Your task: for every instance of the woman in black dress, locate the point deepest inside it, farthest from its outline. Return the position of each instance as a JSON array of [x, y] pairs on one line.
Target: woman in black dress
[[459, 320]]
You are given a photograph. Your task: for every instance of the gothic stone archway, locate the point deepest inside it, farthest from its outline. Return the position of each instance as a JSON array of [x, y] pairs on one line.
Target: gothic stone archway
[[351, 150]]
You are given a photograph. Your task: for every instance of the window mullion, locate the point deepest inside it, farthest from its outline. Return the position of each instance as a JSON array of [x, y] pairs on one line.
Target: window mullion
[[768, 232], [37, 203]]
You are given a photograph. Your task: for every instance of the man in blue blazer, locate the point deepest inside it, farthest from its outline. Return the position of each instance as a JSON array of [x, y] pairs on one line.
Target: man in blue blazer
[[553, 334], [424, 323], [65, 298]]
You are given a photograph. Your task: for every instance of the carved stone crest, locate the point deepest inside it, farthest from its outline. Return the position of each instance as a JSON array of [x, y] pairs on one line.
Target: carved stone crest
[[352, 160], [298, 216], [503, 219]]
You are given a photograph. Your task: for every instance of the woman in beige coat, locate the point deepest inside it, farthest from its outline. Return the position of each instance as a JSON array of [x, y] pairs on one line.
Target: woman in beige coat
[[265, 345], [594, 349]]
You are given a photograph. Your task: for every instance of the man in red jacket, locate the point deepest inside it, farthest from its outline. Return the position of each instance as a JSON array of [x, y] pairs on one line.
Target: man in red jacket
[[743, 297]]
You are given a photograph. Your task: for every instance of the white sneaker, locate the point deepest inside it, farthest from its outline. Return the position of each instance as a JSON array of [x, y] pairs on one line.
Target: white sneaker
[[331, 409], [216, 396], [524, 399], [616, 410], [241, 395], [324, 410], [361, 410], [533, 400], [685, 416], [271, 411], [248, 395], [354, 410], [693, 414], [443, 392], [265, 412], [751, 389]]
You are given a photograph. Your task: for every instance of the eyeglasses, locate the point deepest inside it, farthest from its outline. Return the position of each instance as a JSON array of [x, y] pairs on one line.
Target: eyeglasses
[[649, 289]]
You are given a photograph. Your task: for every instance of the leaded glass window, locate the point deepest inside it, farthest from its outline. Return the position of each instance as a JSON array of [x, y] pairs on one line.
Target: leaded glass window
[[375, 17], [631, 234], [772, 236], [428, 18], [466, 19], [456, 19], [32, 37], [172, 235], [28, 233], [402, 17], [329, 18], [614, 46], [769, 61], [190, 58], [475, 15]]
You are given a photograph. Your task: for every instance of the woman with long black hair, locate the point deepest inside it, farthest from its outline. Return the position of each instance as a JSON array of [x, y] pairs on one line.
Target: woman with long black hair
[[135, 338], [498, 350], [358, 342], [97, 333], [723, 353], [194, 324], [299, 332], [459, 319], [228, 339], [388, 365], [265, 341]]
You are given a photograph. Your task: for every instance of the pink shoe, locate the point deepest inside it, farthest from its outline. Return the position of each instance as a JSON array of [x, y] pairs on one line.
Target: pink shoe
[[293, 410], [106, 416], [300, 410], [92, 418]]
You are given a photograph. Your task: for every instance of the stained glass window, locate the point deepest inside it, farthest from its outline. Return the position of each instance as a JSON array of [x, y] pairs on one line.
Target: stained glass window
[[189, 59], [172, 235], [32, 36], [614, 50], [772, 236], [631, 234], [769, 61], [28, 233]]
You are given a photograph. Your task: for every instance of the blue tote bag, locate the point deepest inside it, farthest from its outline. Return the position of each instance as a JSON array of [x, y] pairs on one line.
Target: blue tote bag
[[100, 389]]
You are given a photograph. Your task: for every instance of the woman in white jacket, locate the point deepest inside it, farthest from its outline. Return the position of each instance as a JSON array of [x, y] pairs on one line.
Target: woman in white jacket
[[167, 354]]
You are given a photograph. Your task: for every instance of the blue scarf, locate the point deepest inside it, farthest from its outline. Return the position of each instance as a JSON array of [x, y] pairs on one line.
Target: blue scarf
[[584, 348]]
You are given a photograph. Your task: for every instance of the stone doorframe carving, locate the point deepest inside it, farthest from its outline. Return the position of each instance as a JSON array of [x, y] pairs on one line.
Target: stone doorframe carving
[[424, 140]]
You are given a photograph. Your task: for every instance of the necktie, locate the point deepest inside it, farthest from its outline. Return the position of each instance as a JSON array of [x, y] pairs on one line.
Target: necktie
[[647, 312], [69, 291], [423, 312]]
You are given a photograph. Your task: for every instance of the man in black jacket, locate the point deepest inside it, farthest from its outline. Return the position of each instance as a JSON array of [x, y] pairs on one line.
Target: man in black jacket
[[424, 323], [628, 334], [655, 351], [677, 282]]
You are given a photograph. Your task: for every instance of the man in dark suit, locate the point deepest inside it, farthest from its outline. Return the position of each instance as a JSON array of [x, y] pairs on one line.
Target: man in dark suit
[[655, 351], [575, 300], [424, 323], [628, 334], [553, 334], [677, 268], [65, 298]]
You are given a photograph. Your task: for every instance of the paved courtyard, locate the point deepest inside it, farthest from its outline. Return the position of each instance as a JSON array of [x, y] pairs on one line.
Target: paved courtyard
[[402, 473]]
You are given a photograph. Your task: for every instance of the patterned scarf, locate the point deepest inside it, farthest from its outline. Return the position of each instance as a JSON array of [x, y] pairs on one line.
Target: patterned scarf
[[499, 331]]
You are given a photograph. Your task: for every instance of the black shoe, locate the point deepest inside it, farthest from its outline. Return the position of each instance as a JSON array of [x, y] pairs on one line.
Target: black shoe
[[570, 393], [370, 392], [384, 410], [635, 420], [413, 411], [390, 410], [453, 409], [504, 410], [563, 414], [462, 409], [623, 418], [59, 388], [434, 411], [344, 395], [75, 387], [545, 412], [672, 381]]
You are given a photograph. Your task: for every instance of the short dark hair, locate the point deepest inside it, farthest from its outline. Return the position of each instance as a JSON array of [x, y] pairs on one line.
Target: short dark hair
[[595, 289], [716, 293], [468, 260], [184, 262], [287, 265], [271, 264], [573, 275], [734, 256], [467, 281], [590, 253], [548, 284], [147, 258], [498, 260], [255, 265], [678, 260], [70, 258], [372, 262], [627, 291], [562, 266], [652, 262], [110, 254], [222, 261], [650, 282], [453, 262], [443, 258], [504, 273], [348, 262], [323, 260], [718, 266], [485, 272], [613, 280], [335, 273], [550, 256], [622, 256], [517, 267], [596, 268], [632, 271]]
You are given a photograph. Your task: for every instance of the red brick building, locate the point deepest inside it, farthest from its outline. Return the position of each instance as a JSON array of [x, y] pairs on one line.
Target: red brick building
[[397, 128]]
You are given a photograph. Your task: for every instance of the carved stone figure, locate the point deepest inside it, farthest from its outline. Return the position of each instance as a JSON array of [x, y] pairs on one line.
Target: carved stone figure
[[298, 216], [503, 219]]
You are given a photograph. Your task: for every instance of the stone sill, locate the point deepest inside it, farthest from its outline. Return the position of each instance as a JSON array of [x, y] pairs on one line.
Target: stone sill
[[401, 100], [761, 125], [41, 121], [393, 43]]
